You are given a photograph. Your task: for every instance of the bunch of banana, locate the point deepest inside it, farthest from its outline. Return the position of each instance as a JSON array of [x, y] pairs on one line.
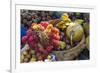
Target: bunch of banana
[[64, 21]]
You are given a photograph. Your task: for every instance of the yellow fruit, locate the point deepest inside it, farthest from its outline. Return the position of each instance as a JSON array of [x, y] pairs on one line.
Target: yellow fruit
[[50, 26], [26, 59], [63, 21], [48, 29], [76, 31], [86, 28], [49, 57], [35, 27], [32, 52], [65, 17], [87, 42], [62, 24], [24, 53], [33, 60], [21, 58], [28, 56]]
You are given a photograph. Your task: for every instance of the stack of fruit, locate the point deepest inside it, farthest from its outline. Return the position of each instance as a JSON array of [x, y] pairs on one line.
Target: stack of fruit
[[28, 16], [28, 55], [45, 37], [42, 38]]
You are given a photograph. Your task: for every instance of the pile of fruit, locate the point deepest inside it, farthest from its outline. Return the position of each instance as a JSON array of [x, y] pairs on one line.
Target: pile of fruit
[[51, 38]]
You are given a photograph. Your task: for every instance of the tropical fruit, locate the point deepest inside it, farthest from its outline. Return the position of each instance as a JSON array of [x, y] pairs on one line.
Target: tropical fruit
[[87, 42], [75, 31]]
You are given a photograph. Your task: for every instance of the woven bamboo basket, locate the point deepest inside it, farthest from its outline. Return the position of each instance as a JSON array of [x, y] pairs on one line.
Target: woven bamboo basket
[[71, 53]]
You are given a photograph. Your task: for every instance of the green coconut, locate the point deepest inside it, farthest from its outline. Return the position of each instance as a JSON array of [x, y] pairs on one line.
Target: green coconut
[[74, 32], [86, 28]]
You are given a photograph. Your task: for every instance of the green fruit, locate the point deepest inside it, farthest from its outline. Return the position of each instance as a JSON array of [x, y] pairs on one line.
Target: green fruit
[[86, 28], [28, 56], [87, 42], [61, 25], [62, 45], [75, 31], [49, 57], [32, 52], [78, 13], [24, 53], [33, 56], [33, 59], [64, 17], [26, 59], [21, 58]]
